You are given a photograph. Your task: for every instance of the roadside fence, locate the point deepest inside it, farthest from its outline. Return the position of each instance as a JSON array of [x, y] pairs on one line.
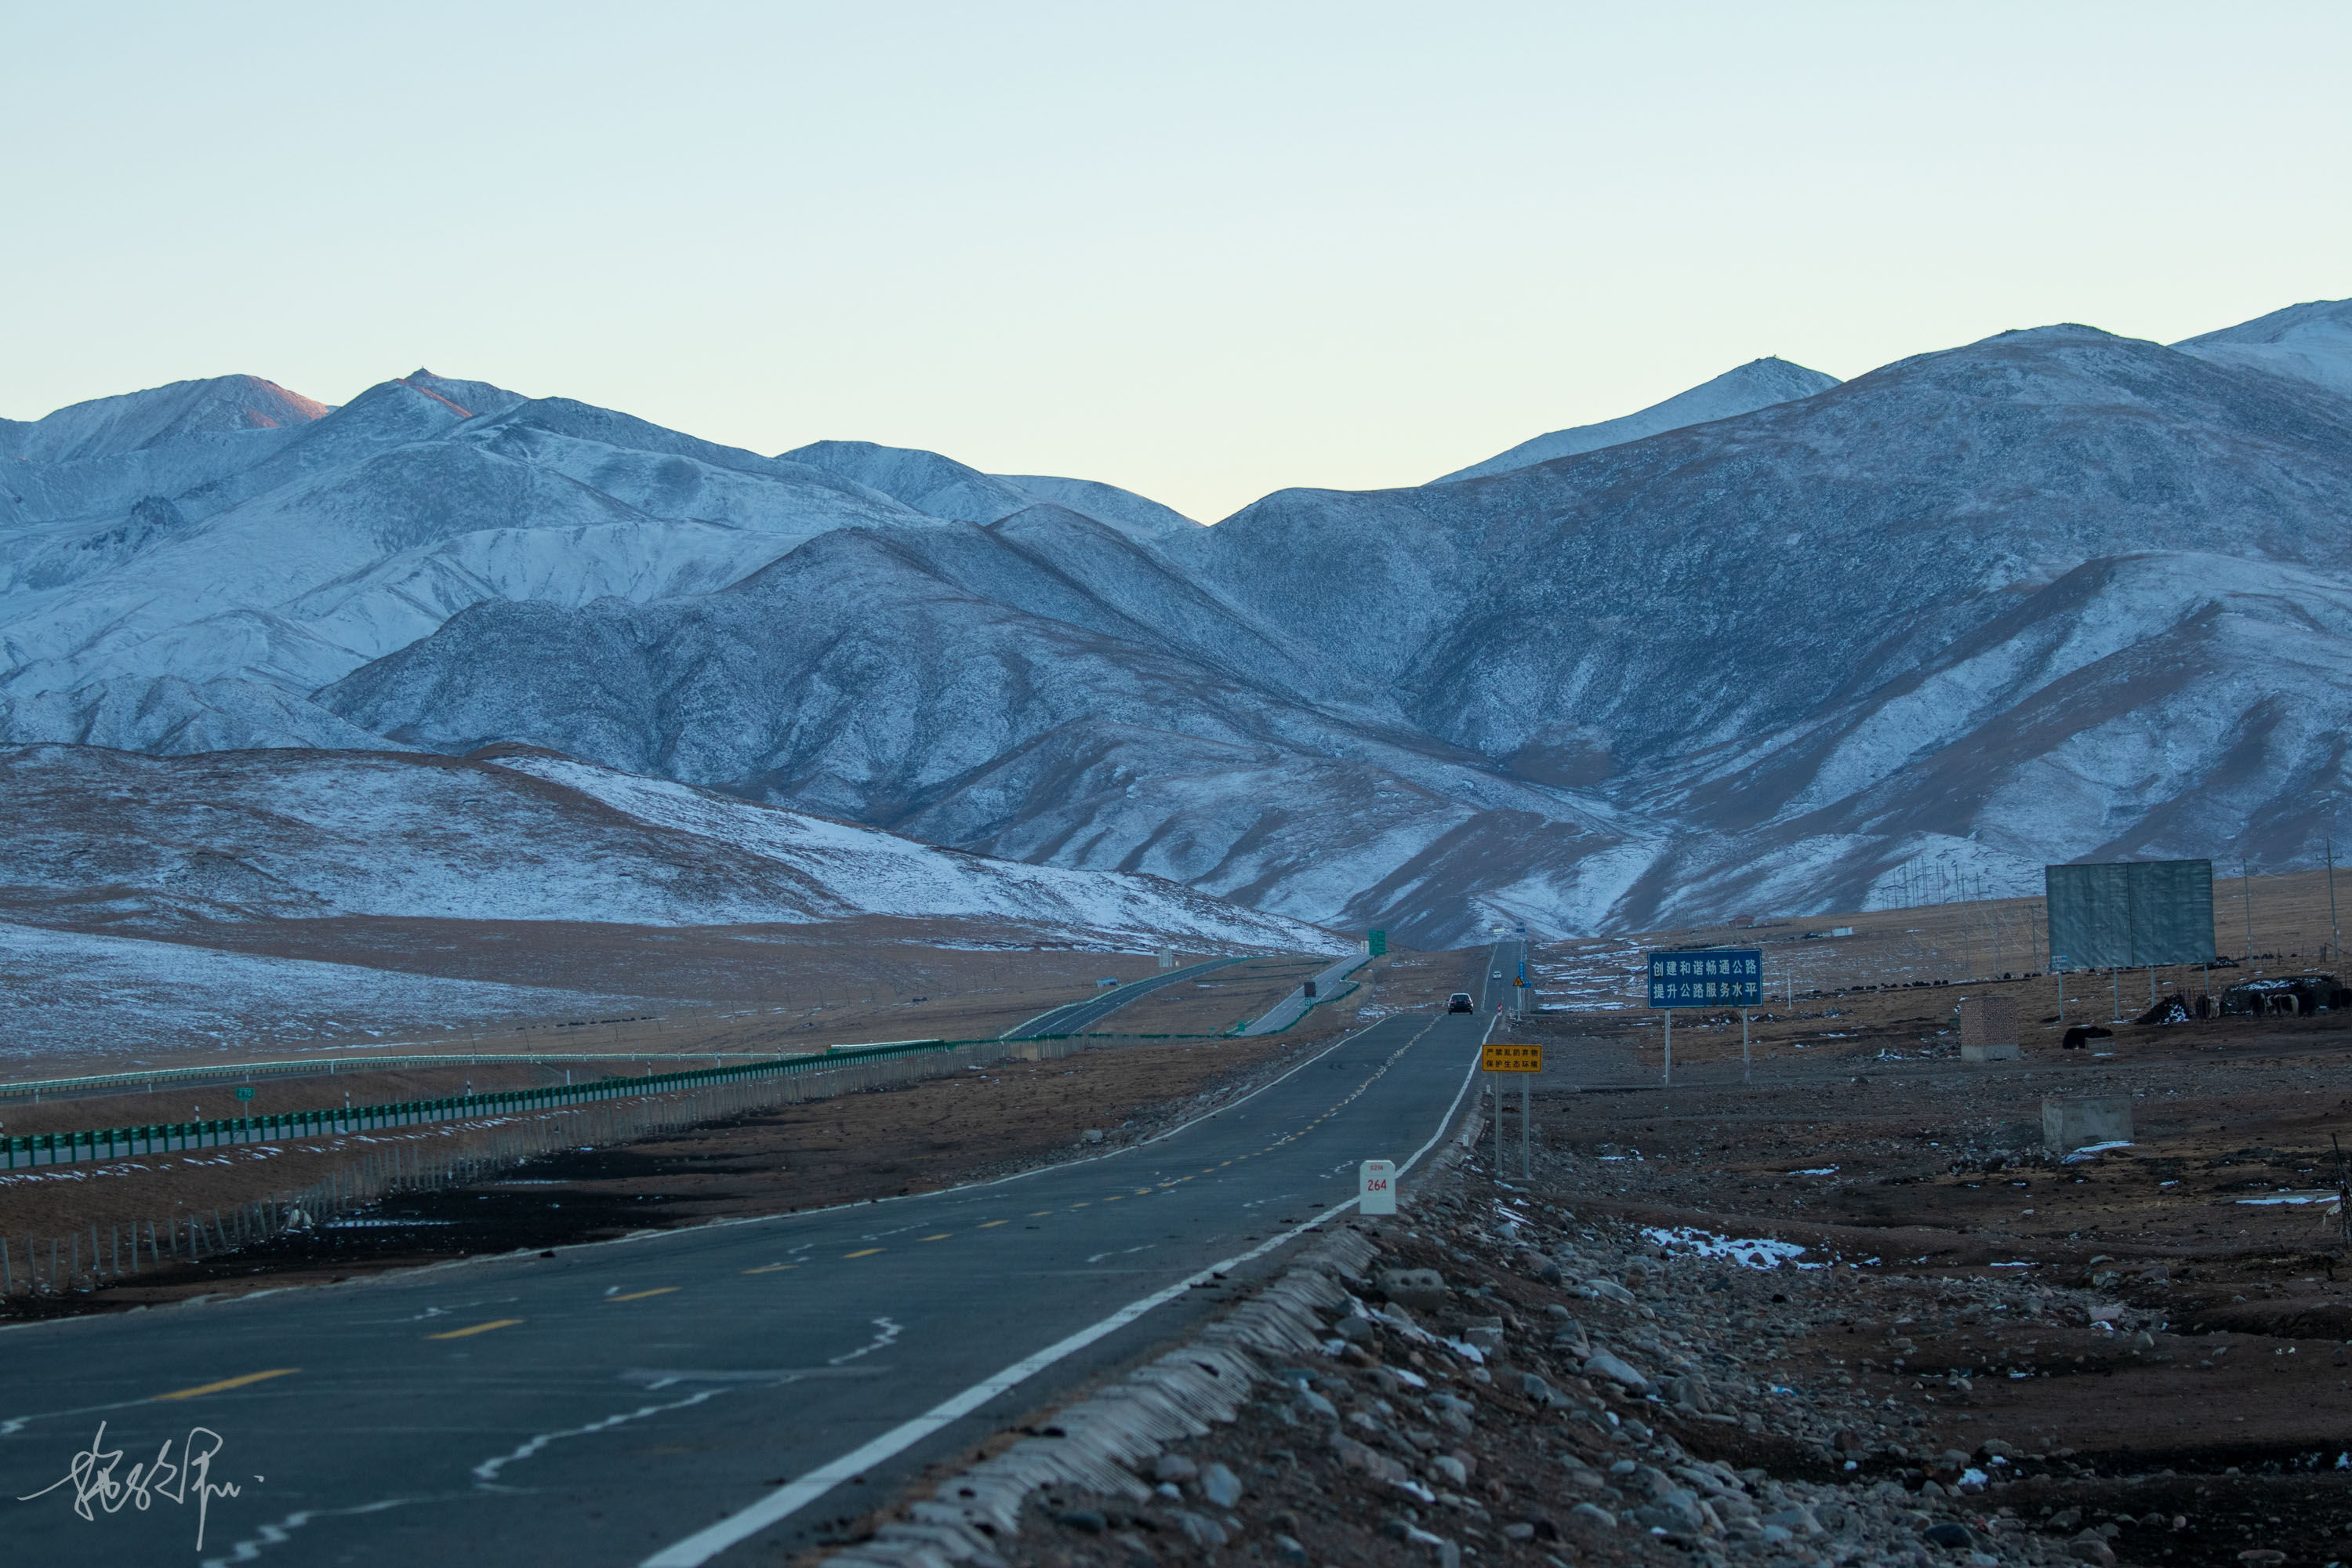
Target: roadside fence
[[487, 1133]]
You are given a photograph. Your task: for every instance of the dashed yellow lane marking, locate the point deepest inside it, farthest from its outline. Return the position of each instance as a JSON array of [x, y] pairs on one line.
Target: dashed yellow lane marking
[[862, 1252], [1080, 1205], [229, 1382], [477, 1329], [771, 1269], [991, 1224], [1040, 1214], [941, 1237], [1114, 1197], [641, 1295]]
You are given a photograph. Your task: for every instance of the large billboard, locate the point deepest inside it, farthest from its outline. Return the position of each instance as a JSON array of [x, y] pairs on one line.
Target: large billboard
[[1708, 977], [2130, 914]]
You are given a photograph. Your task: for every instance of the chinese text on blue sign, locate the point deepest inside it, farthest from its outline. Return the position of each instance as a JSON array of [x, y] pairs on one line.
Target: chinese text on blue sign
[[1711, 977]]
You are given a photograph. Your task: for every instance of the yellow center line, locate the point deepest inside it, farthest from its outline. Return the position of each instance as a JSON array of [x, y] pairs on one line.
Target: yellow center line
[[1077, 1206], [1040, 1214], [477, 1329], [641, 1295], [771, 1269], [229, 1382], [941, 1237], [864, 1252], [992, 1225], [1114, 1197]]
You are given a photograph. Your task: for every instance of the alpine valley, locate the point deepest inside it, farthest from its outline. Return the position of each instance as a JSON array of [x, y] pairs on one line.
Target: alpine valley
[[2052, 596]]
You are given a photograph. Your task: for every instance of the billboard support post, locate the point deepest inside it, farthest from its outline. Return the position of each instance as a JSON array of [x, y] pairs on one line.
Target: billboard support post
[[1743, 1044], [1670, 1051]]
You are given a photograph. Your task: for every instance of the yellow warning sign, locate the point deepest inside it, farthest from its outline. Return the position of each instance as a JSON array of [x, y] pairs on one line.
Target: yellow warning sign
[[1511, 1058]]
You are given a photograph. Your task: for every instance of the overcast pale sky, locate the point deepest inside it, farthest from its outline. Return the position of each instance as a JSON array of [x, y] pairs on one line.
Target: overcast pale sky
[[1200, 250]]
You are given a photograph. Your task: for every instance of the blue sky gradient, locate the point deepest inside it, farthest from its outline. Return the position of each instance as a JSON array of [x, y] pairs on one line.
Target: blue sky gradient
[[1202, 250]]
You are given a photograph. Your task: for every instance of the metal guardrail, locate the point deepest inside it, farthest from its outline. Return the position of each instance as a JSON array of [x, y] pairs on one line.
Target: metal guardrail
[[331, 1065], [158, 1138]]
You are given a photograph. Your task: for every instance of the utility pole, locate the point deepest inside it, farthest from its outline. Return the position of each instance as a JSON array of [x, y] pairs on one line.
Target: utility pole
[[2246, 902], [2334, 932]]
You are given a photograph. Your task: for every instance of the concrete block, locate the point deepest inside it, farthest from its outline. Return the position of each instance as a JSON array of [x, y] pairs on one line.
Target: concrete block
[[2000, 1053], [1988, 1021], [2069, 1124]]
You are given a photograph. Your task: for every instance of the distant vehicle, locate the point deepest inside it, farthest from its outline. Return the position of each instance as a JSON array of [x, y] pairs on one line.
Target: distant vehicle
[[1460, 1002], [1496, 975]]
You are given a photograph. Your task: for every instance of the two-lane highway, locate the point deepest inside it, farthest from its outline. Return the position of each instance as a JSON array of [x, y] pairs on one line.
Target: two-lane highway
[[1076, 1017], [676, 1397]]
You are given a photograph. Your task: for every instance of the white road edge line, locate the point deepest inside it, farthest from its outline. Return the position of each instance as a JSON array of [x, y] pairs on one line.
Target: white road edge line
[[704, 1544]]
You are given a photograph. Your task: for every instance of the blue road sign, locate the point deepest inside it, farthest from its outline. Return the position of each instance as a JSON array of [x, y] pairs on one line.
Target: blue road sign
[[1708, 977]]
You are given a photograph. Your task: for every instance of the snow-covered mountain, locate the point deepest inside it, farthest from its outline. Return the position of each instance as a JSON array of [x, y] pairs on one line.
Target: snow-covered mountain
[[1041, 687], [181, 568], [2312, 341], [942, 487], [2054, 594], [514, 834], [1760, 383]]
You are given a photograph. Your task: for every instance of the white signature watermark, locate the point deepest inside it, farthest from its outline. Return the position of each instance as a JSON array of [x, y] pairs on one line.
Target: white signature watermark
[[97, 1489]]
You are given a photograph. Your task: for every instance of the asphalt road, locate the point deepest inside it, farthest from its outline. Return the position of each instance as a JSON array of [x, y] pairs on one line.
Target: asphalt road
[[1076, 1017], [1287, 1012], [619, 1403]]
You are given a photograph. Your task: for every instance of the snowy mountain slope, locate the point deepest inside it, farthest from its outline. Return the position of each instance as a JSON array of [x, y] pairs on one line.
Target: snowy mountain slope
[[941, 487], [522, 836], [360, 533], [1139, 516], [2312, 342], [2155, 706], [1038, 687], [190, 564], [929, 483], [108, 426], [87, 992], [1667, 677], [1727, 628], [2056, 593], [1760, 383]]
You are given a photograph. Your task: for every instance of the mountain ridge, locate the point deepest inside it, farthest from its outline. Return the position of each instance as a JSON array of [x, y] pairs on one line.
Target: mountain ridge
[[2024, 599]]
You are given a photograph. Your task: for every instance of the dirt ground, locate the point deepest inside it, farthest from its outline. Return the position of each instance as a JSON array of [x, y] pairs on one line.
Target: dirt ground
[[2280, 923], [912, 1138], [677, 989], [1861, 1303]]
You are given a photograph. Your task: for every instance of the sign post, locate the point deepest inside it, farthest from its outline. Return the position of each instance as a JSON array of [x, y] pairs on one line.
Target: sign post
[[1526, 1061], [1376, 1187], [1706, 977]]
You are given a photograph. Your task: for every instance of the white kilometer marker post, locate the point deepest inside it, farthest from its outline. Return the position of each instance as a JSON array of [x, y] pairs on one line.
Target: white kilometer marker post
[[1376, 1187]]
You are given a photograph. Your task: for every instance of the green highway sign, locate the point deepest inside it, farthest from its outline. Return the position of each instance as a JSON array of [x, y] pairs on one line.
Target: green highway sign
[[245, 1092], [1376, 944]]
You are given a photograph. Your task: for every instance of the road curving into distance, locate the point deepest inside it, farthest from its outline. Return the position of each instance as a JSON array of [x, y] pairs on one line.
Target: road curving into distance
[[1076, 1017], [710, 1394]]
